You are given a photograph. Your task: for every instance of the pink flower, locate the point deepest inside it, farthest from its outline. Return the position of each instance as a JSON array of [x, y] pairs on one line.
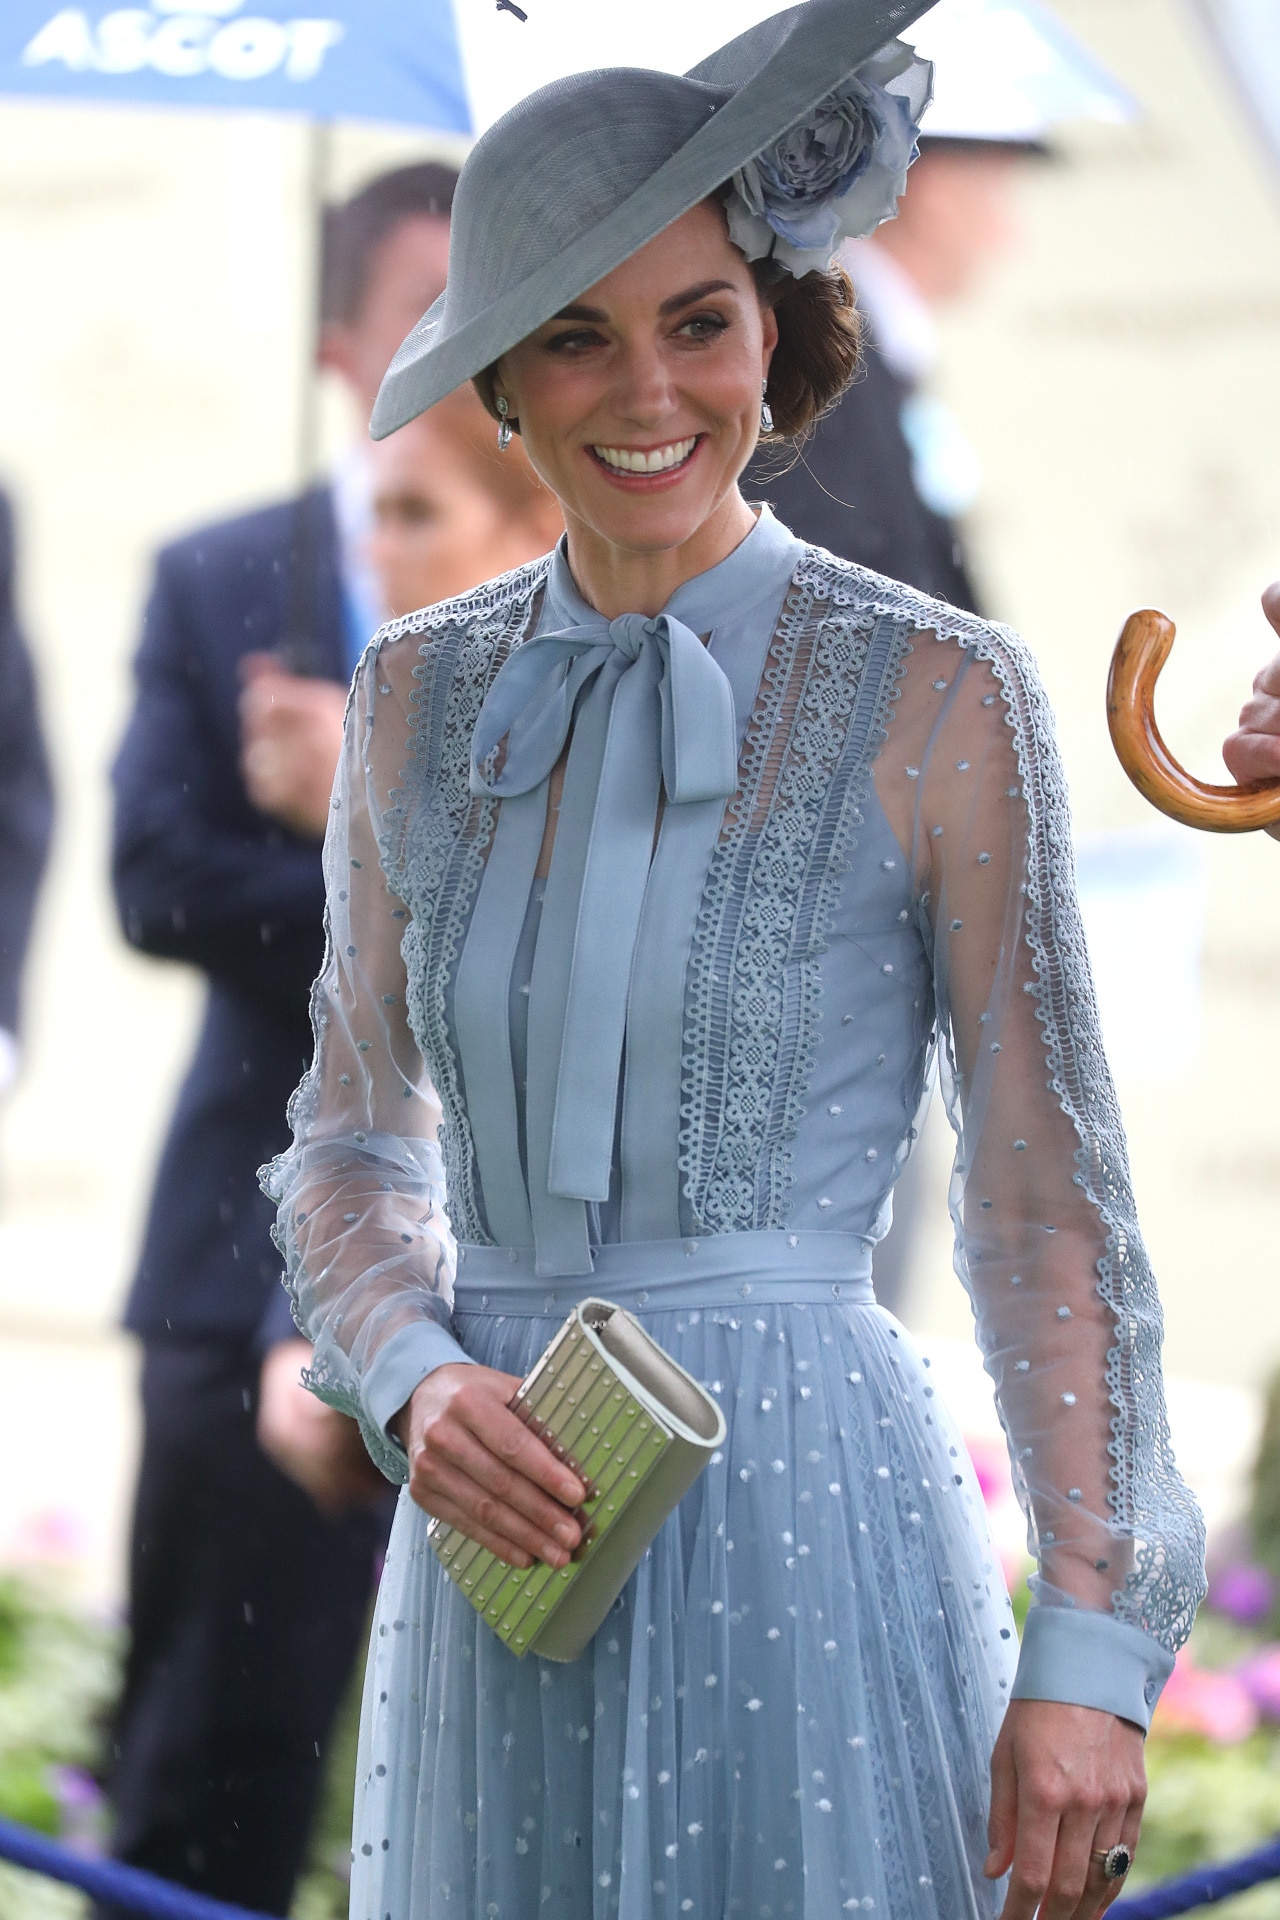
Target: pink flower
[[1242, 1591], [1260, 1677], [1217, 1705], [991, 1465]]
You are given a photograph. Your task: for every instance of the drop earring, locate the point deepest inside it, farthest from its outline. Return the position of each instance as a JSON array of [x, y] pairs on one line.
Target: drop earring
[[504, 425], [766, 411]]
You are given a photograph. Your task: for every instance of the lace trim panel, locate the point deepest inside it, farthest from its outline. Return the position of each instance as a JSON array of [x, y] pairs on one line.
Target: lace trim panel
[[437, 834], [752, 1008], [1150, 1502]]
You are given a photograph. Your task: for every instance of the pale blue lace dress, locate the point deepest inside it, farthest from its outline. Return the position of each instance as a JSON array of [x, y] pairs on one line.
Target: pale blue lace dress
[[683, 1072]]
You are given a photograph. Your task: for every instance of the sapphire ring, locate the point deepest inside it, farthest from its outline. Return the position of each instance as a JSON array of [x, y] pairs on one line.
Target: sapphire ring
[[1116, 1861]]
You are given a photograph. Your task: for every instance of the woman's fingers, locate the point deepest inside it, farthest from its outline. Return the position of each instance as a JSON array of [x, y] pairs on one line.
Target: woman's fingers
[[435, 1484], [507, 1437], [455, 1446], [1002, 1826], [498, 1544], [1079, 1785], [1077, 1886], [474, 1463], [1035, 1847], [1127, 1829]]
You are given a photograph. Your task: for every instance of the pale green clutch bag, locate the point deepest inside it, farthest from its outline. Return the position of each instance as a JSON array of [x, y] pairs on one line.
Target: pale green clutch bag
[[639, 1430]]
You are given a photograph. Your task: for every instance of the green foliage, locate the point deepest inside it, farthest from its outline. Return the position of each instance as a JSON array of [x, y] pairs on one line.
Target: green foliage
[[58, 1673], [1264, 1509], [1210, 1803]]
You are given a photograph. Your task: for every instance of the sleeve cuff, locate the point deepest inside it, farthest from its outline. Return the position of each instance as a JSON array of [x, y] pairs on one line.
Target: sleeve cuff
[[408, 1357], [1091, 1660]]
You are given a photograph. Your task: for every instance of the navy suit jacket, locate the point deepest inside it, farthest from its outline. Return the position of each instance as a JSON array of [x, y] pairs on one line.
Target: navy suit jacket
[[850, 489], [26, 793], [202, 877]]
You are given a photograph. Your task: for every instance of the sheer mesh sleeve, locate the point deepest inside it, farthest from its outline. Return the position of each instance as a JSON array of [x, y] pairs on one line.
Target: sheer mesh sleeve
[[1047, 1242], [369, 1257]]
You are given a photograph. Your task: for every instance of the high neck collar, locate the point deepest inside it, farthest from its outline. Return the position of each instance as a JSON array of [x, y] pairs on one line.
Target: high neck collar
[[765, 559]]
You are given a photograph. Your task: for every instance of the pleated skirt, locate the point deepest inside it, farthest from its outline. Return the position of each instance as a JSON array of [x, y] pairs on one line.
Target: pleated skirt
[[790, 1709]]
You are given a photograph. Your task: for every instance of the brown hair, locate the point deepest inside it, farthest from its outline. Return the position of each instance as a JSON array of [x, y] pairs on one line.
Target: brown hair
[[819, 343], [353, 231]]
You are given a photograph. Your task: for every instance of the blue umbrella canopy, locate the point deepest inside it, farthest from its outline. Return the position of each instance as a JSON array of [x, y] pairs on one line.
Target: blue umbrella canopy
[[360, 59], [451, 65], [454, 65], [1248, 36]]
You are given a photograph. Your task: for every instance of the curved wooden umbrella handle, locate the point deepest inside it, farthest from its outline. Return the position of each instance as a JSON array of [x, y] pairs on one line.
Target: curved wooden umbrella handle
[[1141, 651]]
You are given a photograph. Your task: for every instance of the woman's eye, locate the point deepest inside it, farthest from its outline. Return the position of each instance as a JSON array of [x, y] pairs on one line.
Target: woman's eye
[[576, 342], [703, 326]]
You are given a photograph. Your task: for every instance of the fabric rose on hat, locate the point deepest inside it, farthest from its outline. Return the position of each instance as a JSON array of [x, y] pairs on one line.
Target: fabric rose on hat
[[837, 174]]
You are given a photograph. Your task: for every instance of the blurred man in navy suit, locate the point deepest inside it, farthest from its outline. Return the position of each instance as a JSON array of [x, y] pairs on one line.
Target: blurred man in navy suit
[[26, 803], [248, 1585], [887, 473]]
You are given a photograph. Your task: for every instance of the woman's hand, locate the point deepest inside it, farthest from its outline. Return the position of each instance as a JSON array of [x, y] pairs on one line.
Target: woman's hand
[[473, 1464], [1066, 1782]]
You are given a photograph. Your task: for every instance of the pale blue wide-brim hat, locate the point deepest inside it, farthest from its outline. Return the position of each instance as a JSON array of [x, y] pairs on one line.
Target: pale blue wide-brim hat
[[581, 174]]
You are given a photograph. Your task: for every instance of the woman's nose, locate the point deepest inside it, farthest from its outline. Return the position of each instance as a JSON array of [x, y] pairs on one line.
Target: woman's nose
[[643, 390]]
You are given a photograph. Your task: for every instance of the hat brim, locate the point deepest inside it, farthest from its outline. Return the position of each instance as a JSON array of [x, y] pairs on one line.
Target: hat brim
[[782, 68]]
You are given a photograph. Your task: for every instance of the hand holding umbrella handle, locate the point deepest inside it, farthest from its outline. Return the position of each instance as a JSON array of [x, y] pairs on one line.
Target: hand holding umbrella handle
[[1141, 651]]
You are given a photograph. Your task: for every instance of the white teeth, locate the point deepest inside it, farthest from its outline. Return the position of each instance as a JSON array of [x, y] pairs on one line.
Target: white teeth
[[636, 460]]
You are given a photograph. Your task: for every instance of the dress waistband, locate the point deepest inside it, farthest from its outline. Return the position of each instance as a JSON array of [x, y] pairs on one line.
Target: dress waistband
[[722, 1270]]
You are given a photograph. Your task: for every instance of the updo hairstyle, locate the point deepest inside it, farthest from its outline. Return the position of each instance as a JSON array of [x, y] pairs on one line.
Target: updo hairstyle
[[819, 344]]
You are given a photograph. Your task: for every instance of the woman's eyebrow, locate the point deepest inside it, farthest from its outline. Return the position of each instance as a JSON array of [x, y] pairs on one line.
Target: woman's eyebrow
[[673, 305], [700, 292]]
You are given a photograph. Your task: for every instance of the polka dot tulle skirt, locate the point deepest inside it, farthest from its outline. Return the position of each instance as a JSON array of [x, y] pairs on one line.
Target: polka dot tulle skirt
[[791, 1708]]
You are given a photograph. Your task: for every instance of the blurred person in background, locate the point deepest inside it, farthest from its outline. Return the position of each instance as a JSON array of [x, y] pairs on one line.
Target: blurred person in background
[[888, 471], [449, 510], [26, 803], [887, 475], [248, 1586], [446, 513]]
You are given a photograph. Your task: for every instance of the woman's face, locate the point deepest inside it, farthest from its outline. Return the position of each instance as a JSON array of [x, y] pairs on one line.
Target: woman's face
[[639, 404], [438, 530]]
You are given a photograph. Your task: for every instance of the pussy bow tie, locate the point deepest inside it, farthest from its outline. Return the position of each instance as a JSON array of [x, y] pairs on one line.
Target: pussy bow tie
[[647, 704]]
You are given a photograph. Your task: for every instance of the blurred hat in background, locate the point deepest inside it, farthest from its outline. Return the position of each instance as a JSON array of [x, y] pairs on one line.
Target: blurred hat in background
[[1008, 71], [1247, 35]]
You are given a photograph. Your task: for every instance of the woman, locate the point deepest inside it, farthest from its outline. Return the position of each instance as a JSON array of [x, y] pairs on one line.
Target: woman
[[448, 512], [659, 864]]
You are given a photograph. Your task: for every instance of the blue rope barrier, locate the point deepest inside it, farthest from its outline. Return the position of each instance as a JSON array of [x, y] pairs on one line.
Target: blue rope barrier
[[117, 1885], [1203, 1887], [110, 1881]]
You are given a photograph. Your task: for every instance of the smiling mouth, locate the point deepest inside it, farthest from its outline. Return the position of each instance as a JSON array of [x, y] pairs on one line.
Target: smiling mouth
[[646, 460]]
